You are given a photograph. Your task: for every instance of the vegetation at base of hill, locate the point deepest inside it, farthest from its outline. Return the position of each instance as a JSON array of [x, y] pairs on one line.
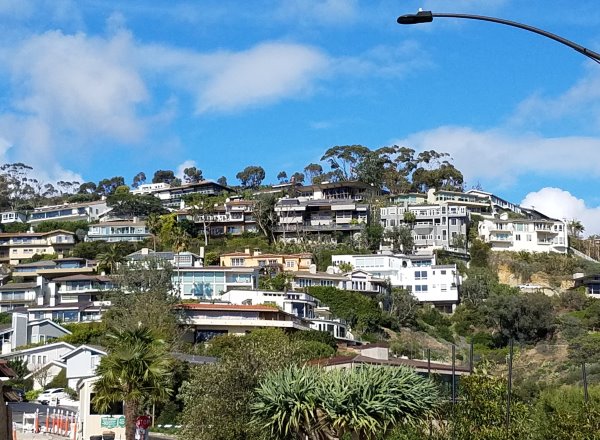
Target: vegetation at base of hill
[[15, 227], [217, 397]]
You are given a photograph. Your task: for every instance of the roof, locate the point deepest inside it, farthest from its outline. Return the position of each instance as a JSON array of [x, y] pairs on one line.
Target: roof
[[100, 278], [95, 348], [69, 205], [321, 275], [119, 223], [41, 263], [230, 307], [49, 321], [18, 286], [45, 346], [392, 362], [5, 370], [34, 234]]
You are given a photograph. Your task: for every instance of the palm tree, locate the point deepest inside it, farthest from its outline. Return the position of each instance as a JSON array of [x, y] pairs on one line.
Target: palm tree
[[360, 403], [181, 241], [137, 369], [576, 228], [153, 223], [110, 259]]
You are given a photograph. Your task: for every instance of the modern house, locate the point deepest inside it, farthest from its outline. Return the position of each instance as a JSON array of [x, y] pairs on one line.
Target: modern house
[[192, 280], [15, 247], [18, 295], [117, 231], [234, 217], [206, 320], [298, 304], [150, 188], [358, 280], [329, 209], [591, 283], [433, 226], [430, 283], [88, 211], [13, 217], [173, 197], [532, 232], [50, 269], [271, 262]]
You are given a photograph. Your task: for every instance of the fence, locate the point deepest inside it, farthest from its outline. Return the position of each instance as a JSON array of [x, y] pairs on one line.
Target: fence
[[58, 422]]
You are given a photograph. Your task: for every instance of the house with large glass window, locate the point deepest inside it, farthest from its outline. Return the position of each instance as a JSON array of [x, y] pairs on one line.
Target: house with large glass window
[[87, 211], [18, 295], [531, 232], [116, 231], [433, 284]]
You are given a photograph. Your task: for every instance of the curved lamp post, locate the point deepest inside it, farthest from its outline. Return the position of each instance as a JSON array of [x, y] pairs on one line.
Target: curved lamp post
[[428, 16]]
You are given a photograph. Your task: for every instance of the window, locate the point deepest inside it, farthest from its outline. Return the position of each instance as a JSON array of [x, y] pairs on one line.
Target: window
[[290, 263], [528, 237], [518, 237], [444, 287], [420, 275], [443, 271], [421, 288], [238, 261], [453, 221]]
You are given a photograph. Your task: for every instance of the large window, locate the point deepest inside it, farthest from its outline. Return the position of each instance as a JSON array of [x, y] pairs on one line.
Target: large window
[[420, 275]]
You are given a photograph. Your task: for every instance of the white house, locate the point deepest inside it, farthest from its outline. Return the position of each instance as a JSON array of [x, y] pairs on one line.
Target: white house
[[24, 331], [81, 362], [299, 304], [40, 359], [430, 283], [87, 211]]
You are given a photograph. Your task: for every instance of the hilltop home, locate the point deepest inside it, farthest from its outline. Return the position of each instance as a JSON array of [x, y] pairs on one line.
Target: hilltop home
[[15, 247], [234, 217], [117, 231], [88, 211], [534, 233], [433, 226], [173, 197], [329, 209], [429, 283]]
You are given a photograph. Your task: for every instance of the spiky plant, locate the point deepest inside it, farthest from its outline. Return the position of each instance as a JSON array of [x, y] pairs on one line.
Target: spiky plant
[[365, 402]]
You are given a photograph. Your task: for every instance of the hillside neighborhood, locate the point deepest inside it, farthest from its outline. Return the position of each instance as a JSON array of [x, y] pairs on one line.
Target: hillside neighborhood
[[387, 278]]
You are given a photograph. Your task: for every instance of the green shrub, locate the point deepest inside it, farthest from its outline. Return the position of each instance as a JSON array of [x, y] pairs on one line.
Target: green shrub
[[58, 381], [31, 395]]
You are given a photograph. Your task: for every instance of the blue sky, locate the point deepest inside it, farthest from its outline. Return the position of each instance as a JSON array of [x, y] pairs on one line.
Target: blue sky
[[99, 88]]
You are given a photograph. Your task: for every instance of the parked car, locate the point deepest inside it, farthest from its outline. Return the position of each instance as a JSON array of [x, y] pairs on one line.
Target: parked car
[[52, 393]]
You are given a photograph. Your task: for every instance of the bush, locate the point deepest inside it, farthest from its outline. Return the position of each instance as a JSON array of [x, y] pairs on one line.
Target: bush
[[59, 381], [31, 395]]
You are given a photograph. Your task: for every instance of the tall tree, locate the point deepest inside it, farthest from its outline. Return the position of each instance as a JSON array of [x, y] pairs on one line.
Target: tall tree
[[251, 176], [137, 369], [282, 177], [86, 188], [139, 179], [297, 178], [222, 180], [401, 239], [111, 258], [192, 175], [154, 225], [313, 170], [163, 176], [107, 187], [344, 159], [265, 216]]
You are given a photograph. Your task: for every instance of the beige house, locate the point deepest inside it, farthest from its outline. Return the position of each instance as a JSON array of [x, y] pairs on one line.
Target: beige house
[[15, 247], [280, 262], [91, 423]]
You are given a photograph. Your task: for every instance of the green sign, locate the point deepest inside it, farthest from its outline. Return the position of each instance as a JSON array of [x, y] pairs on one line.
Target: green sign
[[112, 422]]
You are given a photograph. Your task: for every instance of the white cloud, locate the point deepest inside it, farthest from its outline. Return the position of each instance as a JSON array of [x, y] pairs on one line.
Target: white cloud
[[263, 74], [580, 103], [561, 204], [84, 85], [187, 164], [501, 156]]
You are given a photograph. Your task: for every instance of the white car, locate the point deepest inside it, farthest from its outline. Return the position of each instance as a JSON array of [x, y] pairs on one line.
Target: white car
[[50, 394]]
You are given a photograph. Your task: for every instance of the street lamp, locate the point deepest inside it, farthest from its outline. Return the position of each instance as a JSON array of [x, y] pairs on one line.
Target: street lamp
[[428, 16]]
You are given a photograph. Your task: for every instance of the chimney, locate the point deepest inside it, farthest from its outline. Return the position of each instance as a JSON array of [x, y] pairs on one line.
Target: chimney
[[247, 251], [312, 268]]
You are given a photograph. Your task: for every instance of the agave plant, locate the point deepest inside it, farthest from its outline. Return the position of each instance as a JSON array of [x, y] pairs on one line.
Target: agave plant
[[364, 403]]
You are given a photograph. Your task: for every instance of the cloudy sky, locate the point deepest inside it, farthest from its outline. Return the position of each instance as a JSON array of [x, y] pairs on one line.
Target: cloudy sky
[[101, 88]]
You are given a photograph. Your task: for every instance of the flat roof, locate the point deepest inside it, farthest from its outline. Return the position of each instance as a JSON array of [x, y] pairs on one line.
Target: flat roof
[[230, 307]]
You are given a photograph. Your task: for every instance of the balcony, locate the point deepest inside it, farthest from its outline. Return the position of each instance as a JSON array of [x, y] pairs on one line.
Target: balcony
[[304, 227], [501, 238]]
